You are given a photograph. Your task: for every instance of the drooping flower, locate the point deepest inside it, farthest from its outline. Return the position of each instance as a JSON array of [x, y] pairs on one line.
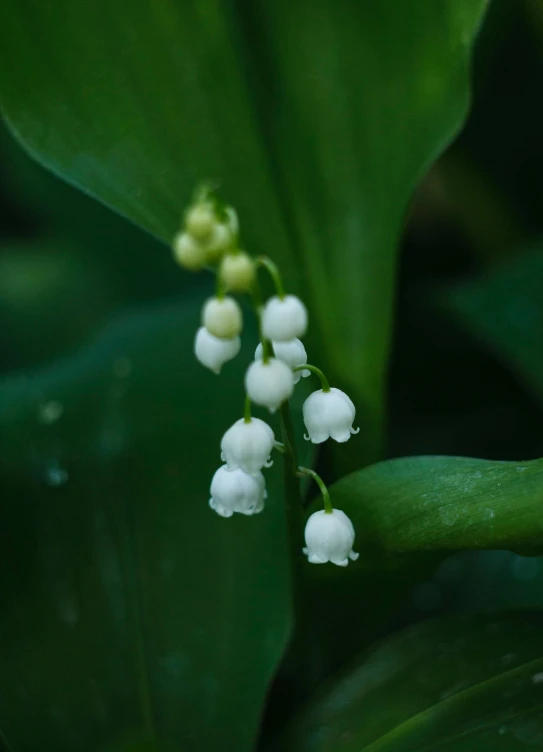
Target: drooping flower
[[222, 317], [292, 353], [237, 491], [284, 319], [329, 414], [269, 383], [213, 352], [248, 445], [329, 537]]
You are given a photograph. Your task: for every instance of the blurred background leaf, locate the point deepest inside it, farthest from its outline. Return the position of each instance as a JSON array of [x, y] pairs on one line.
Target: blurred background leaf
[[468, 683], [142, 105], [127, 604], [504, 310]]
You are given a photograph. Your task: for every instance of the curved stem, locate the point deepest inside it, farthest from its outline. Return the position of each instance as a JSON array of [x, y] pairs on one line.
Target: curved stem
[[273, 270], [258, 305], [247, 409], [317, 371], [328, 508]]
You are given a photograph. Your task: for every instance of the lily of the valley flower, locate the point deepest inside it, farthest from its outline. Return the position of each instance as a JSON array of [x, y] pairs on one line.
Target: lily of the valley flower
[[329, 537], [291, 352], [213, 352], [222, 317], [248, 445], [269, 383], [329, 414], [284, 319], [237, 491]]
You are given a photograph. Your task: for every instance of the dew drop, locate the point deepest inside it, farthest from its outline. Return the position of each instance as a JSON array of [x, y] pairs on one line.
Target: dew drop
[[448, 514], [56, 475], [49, 412]]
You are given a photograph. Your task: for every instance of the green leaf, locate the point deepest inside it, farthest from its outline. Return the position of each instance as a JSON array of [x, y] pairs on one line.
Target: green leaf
[[437, 505], [408, 515], [504, 310], [129, 609], [468, 684], [317, 121]]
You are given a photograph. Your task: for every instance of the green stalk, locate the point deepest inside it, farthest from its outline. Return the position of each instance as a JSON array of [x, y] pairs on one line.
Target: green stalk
[[273, 270], [317, 371], [293, 499], [322, 486], [247, 409], [258, 305]]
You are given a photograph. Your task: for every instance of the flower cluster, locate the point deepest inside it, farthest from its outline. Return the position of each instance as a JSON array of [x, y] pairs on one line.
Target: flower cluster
[[210, 238]]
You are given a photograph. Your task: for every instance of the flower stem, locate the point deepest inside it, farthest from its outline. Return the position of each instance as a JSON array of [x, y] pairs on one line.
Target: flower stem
[[321, 484], [258, 305], [220, 289], [273, 270], [247, 409], [324, 381], [293, 501]]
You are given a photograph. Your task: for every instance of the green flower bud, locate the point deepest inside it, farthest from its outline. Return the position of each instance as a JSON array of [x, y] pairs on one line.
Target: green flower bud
[[219, 243], [200, 221], [222, 317], [237, 271], [188, 252]]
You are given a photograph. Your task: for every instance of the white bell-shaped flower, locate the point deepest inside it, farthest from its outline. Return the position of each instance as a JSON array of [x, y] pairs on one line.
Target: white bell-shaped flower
[[222, 317], [237, 491], [329, 537], [292, 353], [213, 352], [284, 319], [269, 384], [329, 414], [248, 445]]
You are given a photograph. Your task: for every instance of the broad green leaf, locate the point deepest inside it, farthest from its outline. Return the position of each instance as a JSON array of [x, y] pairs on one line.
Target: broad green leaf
[[504, 310], [317, 120], [408, 515], [438, 505], [467, 684], [129, 609]]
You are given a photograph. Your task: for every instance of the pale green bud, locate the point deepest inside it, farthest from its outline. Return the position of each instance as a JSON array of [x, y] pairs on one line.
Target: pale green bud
[[222, 317], [237, 271], [219, 243], [188, 252], [200, 221]]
